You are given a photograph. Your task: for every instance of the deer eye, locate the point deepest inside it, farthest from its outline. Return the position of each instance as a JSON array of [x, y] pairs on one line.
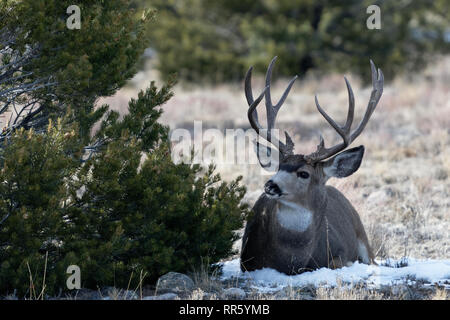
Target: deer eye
[[303, 174]]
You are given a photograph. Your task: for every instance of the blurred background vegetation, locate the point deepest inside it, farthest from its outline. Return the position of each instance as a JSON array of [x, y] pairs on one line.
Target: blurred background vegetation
[[216, 41]]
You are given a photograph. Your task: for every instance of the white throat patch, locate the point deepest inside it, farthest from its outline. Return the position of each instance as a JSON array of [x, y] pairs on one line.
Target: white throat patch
[[293, 216]]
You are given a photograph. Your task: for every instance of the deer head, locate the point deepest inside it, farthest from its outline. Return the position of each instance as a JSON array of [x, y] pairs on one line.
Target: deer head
[[300, 177]]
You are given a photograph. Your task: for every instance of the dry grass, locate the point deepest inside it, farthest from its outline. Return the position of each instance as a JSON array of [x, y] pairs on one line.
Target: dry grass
[[344, 292], [34, 292], [205, 280]]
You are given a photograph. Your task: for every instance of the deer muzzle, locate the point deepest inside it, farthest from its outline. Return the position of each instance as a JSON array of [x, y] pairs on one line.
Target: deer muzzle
[[272, 189]]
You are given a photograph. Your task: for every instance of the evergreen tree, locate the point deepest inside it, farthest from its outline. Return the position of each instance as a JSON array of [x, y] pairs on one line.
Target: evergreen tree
[[115, 214], [47, 67], [114, 204]]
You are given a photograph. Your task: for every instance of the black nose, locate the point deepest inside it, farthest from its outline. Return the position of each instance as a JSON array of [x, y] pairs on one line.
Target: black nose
[[272, 188]]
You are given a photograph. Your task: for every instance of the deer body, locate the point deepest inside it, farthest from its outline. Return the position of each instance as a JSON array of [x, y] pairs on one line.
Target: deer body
[[299, 223], [330, 239]]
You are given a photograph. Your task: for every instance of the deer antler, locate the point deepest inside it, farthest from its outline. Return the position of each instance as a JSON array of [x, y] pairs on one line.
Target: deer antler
[[272, 110], [347, 136], [344, 131]]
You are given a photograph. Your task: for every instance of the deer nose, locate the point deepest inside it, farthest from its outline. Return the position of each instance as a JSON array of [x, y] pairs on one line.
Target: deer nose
[[272, 188]]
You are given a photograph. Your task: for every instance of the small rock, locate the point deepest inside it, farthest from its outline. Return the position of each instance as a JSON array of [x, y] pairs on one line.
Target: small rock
[[166, 296], [234, 294], [175, 282]]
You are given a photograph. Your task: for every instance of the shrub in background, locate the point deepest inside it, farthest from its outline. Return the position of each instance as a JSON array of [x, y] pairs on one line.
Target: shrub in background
[[218, 40]]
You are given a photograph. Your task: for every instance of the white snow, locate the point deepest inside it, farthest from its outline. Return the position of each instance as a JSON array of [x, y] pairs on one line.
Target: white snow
[[266, 280]]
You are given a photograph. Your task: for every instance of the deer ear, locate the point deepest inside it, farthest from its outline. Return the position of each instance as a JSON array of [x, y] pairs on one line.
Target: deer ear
[[344, 164], [269, 158]]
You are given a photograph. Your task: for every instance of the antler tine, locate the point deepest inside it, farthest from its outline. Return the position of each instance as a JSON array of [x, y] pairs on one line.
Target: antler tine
[[248, 86], [271, 110], [345, 131], [375, 95], [351, 106], [330, 121], [253, 115], [269, 106]]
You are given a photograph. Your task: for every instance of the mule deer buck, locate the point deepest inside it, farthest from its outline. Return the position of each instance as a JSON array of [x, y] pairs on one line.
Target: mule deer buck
[[299, 223]]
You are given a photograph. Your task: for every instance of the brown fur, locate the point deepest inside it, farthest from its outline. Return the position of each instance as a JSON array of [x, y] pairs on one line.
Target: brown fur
[[331, 240]]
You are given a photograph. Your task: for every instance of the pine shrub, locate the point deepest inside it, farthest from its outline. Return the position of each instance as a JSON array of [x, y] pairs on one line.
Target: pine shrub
[[124, 212]]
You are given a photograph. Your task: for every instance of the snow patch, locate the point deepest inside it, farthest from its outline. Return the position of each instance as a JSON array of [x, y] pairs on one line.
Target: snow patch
[[267, 280]]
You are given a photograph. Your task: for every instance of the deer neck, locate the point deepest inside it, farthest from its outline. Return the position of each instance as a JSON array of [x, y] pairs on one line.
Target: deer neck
[[294, 216]]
